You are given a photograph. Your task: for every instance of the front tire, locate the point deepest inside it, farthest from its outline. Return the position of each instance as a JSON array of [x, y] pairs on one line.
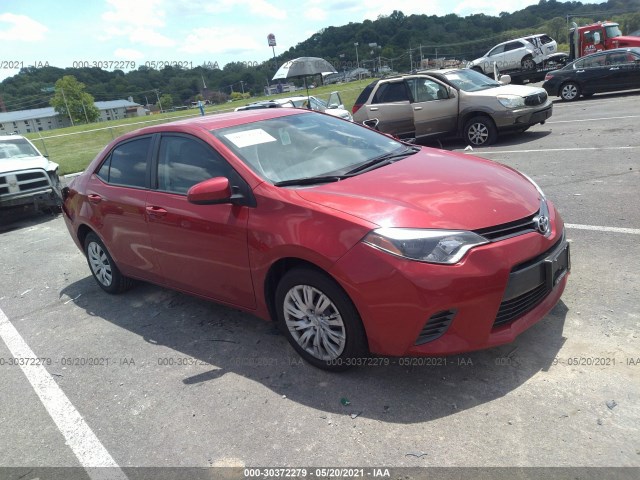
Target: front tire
[[480, 131], [319, 320], [104, 270], [569, 92]]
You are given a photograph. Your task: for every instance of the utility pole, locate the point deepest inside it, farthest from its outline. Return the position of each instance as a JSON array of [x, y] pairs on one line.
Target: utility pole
[[85, 113], [410, 58], [357, 61], [66, 105], [242, 86], [158, 97]]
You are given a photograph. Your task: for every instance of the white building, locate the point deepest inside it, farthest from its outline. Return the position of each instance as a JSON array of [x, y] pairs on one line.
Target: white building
[[41, 119]]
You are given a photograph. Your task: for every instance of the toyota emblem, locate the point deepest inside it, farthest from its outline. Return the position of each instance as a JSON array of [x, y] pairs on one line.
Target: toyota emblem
[[542, 224]]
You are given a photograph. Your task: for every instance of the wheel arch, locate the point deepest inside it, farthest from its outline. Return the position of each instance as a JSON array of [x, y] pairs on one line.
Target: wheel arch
[[463, 119], [284, 265]]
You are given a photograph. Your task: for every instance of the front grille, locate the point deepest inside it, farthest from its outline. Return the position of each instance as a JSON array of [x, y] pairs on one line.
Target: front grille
[[529, 283], [518, 306], [24, 182], [535, 99], [435, 326], [508, 230]]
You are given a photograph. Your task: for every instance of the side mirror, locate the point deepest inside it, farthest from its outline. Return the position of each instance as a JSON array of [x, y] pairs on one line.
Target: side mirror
[[596, 37], [505, 79], [210, 192], [452, 92]]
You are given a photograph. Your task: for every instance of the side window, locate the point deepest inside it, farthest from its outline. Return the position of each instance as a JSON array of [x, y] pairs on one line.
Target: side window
[[513, 46], [184, 161], [425, 90], [391, 92], [496, 51], [619, 58], [546, 39], [127, 164], [595, 61]]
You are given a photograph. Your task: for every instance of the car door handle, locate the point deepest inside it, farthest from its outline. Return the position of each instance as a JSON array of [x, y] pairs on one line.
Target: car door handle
[[374, 109], [614, 68], [154, 211], [417, 108], [93, 198]]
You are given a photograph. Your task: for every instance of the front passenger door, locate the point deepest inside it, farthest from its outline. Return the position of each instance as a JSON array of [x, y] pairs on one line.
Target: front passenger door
[[201, 249], [434, 112]]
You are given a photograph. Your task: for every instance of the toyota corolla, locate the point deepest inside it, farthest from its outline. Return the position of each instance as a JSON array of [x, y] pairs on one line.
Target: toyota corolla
[[354, 243]]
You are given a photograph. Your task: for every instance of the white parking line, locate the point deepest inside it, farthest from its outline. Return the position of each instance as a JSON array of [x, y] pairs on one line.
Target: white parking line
[[576, 149], [78, 435], [592, 119], [598, 228]]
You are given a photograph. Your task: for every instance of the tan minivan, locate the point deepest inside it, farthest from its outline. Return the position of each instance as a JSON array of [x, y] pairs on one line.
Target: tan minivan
[[451, 103]]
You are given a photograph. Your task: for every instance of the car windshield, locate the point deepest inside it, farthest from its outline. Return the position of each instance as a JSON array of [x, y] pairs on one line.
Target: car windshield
[[613, 31], [470, 80], [306, 146], [17, 148]]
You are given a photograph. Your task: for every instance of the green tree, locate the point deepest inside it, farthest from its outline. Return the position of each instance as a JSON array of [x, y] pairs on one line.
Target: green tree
[[71, 100], [166, 101]]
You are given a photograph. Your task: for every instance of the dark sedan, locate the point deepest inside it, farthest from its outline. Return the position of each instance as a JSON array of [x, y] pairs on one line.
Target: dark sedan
[[606, 71]]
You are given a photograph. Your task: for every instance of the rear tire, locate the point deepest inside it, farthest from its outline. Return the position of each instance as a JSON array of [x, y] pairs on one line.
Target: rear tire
[[104, 270], [569, 91], [319, 320], [528, 63], [480, 131]]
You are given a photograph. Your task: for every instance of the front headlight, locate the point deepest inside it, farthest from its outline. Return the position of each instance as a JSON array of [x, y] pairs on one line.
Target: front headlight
[[511, 101], [431, 246]]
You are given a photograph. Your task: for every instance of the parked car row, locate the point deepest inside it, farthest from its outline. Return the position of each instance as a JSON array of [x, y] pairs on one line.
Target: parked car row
[[334, 106]]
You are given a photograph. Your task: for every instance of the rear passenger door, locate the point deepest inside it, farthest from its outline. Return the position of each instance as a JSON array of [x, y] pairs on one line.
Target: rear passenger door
[[117, 194], [514, 52], [391, 105]]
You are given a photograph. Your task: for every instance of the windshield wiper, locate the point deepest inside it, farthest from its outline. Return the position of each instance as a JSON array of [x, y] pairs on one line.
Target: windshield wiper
[[311, 180], [383, 160]]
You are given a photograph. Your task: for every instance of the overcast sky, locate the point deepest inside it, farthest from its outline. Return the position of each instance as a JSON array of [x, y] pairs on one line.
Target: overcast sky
[[65, 32]]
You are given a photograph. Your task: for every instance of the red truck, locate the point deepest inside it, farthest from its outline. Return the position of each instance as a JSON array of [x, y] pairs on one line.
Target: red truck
[[597, 36]]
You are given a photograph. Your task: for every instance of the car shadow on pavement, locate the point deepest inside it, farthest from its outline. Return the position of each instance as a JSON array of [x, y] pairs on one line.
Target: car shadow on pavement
[[508, 139], [395, 390], [17, 218]]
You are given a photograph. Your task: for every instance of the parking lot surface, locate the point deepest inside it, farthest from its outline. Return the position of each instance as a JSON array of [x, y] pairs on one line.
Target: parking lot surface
[[155, 378]]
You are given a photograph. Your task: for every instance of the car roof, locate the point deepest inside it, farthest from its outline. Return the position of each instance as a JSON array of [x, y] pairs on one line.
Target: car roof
[[222, 120], [612, 50]]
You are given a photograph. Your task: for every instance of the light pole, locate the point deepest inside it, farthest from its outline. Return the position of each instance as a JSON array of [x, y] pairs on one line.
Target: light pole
[[357, 61]]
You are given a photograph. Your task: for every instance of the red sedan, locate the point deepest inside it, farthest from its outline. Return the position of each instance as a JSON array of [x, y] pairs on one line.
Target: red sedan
[[352, 242]]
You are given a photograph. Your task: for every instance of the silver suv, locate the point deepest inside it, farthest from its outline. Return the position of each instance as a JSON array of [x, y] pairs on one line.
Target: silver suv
[[26, 176], [451, 103]]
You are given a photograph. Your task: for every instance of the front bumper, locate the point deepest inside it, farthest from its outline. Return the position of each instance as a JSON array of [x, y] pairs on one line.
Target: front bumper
[[34, 187], [493, 295], [523, 117]]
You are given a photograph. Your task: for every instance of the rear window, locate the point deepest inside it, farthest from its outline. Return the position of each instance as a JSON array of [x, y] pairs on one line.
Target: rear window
[[365, 94], [391, 92], [546, 39]]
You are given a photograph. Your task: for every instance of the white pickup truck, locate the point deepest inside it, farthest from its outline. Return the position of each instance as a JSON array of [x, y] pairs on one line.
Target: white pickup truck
[[27, 178]]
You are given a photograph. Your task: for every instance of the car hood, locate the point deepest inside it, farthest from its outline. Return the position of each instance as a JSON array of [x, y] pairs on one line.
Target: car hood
[[520, 90], [26, 163], [432, 189]]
